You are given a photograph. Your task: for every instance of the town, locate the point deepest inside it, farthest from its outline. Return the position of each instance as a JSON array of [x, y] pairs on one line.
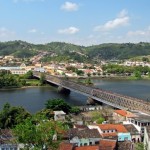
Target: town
[[93, 127]]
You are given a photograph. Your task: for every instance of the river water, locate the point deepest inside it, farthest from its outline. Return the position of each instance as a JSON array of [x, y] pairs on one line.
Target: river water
[[34, 99]]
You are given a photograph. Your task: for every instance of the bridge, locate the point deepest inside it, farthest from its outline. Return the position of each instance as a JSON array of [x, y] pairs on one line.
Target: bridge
[[104, 96]]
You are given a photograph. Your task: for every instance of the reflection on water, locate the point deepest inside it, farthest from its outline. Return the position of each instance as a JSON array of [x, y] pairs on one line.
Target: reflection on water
[[34, 99]]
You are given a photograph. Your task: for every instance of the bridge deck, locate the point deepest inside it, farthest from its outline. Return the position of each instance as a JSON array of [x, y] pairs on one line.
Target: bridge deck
[[107, 97]]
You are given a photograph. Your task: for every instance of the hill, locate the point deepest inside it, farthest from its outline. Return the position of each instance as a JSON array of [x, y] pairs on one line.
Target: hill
[[67, 51]]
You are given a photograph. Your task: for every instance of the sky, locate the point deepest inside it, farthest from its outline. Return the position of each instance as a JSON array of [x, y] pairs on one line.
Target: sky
[[81, 22]]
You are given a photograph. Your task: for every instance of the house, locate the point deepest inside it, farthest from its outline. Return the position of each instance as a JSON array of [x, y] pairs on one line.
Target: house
[[121, 115], [59, 115], [7, 141], [109, 131], [147, 138], [83, 137], [135, 134], [87, 148], [126, 145], [124, 137], [65, 146], [106, 144], [9, 57], [18, 71], [140, 121]]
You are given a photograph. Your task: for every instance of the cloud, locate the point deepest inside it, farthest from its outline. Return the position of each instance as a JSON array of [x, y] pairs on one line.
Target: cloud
[[4, 32], [121, 20], [70, 30], [145, 32], [16, 1], [69, 6], [33, 31], [137, 33]]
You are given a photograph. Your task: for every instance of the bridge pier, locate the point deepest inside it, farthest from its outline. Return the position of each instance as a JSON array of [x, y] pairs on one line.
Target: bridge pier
[[63, 90], [91, 101]]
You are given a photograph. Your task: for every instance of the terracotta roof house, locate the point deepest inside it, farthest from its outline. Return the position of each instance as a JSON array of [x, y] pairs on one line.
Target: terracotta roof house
[[106, 144], [121, 115], [109, 131], [65, 146], [87, 148], [135, 134], [83, 137]]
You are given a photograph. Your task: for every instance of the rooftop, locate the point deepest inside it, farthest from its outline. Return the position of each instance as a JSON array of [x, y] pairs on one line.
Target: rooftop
[[87, 148], [124, 113], [116, 127], [131, 128], [85, 133], [107, 144], [59, 112], [65, 146]]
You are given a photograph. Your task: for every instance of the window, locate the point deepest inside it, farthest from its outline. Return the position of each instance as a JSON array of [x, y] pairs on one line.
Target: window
[[126, 138], [97, 142]]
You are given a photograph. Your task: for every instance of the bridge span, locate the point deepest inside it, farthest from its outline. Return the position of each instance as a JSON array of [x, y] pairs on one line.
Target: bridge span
[[104, 96]]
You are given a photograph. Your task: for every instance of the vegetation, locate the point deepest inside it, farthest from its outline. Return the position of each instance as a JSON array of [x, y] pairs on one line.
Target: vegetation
[[135, 71], [139, 146], [8, 80], [74, 69], [97, 117], [11, 116], [58, 104], [39, 133], [70, 52]]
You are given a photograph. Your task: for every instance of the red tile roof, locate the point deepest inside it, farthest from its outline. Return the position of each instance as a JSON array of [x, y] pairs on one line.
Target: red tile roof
[[87, 148], [121, 112], [124, 113], [107, 144], [65, 146], [116, 127]]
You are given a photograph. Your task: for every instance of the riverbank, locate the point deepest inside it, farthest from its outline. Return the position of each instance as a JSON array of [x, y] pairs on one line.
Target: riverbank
[[23, 87]]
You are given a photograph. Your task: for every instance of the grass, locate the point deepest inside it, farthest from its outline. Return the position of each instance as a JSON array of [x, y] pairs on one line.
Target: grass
[[32, 82]]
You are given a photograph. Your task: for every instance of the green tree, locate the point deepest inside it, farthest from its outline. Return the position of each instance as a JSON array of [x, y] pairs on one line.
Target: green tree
[[11, 116], [28, 75], [58, 104], [39, 134], [145, 59], [75, 110], [100, 120], [137, 74], [88, 81]]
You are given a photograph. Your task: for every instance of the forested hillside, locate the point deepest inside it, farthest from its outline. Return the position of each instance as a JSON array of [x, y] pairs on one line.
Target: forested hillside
[[68, 51]]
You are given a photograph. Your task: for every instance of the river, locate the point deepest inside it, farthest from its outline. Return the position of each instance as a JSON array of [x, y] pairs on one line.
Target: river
[[34, 99]]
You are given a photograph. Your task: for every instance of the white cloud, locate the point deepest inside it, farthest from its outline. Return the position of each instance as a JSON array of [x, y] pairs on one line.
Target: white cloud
[[33, 31], [123, 13], [4, 32], [69, 6], [121, 20], [137, 33], [16, 1], [70, 30]]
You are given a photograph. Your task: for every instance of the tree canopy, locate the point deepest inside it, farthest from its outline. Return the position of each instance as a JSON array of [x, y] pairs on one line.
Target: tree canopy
[[58, 104]]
